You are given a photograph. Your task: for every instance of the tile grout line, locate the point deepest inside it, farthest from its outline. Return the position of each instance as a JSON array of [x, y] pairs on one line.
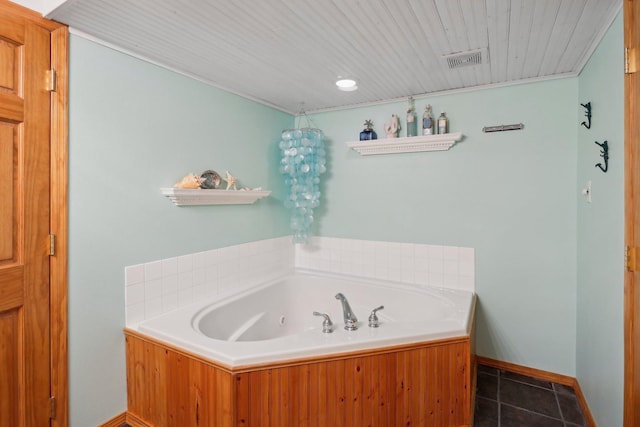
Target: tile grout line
[[555, 395]]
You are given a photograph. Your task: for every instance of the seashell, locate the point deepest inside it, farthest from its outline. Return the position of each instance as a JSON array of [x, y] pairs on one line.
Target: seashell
[[210, 179], [189, 181]]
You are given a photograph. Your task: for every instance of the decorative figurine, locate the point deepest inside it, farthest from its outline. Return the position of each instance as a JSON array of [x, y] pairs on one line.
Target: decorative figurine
[[189, 181], [210, 179], [428, 127], [368, 133], [443, 123], [392, 128], [412, 122], [230, 180]]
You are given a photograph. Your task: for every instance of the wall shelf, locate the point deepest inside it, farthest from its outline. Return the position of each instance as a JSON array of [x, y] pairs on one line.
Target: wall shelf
[[412, 144], [195, 197]]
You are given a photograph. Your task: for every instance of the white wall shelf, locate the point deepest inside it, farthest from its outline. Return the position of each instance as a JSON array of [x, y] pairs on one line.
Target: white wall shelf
[[195, 197], [412, 144]]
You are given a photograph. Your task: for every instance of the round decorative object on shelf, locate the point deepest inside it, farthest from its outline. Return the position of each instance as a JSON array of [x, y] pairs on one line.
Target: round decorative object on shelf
[[211, 179]]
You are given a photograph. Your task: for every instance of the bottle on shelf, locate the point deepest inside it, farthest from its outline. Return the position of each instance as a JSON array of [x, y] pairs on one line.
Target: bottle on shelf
[[428, 125], [412, 120], [443, 124], [368, 133]]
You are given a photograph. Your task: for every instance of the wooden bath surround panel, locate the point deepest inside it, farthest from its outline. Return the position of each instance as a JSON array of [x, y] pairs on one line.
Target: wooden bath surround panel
[[425, 384]]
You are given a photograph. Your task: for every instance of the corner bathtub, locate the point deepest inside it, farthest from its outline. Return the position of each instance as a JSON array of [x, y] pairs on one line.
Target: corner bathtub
[[422, 350]]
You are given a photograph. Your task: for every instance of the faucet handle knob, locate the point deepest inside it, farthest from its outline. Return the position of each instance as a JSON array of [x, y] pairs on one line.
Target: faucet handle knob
[[327, 324], [374, 322]]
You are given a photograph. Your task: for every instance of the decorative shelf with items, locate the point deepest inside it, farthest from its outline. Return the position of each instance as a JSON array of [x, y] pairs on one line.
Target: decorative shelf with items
[[410, 144], [369, 143], [196, 197], [203, 190]]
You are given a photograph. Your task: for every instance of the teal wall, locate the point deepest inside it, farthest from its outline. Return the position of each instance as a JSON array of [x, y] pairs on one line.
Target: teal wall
[[599, 358], [134, 128], [509, 195], [549, 286]]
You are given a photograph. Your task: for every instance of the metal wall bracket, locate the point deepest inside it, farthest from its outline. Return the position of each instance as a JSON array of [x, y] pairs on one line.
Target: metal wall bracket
[[502, 128], [604, 153], [587, 113]]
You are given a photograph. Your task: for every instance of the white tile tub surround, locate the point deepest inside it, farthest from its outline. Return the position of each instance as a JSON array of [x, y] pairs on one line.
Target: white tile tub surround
[[449, 267], [160, 286]]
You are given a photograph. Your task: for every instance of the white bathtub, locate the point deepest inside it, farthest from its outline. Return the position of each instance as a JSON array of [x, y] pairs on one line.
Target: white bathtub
[[274, 321]]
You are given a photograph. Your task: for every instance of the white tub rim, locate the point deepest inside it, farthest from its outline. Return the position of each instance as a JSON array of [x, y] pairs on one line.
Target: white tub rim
[[219, 358]]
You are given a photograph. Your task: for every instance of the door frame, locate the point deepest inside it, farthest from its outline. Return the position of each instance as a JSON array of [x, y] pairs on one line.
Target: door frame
[[59, 226], [59, 172], [632, 217]]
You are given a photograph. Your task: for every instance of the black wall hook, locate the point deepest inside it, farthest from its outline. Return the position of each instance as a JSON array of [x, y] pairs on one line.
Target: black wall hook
[[604, 153], [587, 123]]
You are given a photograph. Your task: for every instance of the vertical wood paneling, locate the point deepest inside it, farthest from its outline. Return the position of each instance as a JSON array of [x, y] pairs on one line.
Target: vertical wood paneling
[[421, 386], [166, 388], [156, 357]]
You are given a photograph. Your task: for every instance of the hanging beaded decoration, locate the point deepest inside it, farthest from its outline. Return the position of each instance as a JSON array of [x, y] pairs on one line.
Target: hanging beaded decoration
[[303, 161]]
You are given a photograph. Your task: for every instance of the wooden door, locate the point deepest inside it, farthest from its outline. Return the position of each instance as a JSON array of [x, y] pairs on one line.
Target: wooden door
[[24, 223], [632, 215]]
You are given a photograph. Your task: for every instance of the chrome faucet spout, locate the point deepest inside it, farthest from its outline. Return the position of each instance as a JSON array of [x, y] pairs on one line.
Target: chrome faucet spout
[[350, 319]]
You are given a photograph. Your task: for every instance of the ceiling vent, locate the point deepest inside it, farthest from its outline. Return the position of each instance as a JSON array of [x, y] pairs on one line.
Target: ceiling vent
[[465, 59]]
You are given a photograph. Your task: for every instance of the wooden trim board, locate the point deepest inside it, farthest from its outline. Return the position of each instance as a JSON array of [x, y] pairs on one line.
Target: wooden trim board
[[58, 273]]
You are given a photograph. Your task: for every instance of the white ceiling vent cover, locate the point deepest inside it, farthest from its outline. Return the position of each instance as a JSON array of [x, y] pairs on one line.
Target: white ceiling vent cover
[[465, 59]]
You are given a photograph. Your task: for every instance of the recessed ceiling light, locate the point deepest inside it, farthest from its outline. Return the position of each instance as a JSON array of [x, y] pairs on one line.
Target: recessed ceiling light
[[347, 85]]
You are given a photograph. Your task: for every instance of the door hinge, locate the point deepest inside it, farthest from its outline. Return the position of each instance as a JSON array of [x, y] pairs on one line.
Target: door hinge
[[631, 259], [52, 244], [52, 407], [51, 80], [630, 60]]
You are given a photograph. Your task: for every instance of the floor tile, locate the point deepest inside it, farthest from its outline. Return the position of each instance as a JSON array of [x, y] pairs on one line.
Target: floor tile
[[529, 397], [571, 411], [486, 413], [515, 417], [487, 386], [563, 389], [526, 379], [506, 399], [487, 370]]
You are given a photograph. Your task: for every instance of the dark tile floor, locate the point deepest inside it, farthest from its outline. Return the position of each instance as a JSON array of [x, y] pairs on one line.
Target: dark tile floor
[[506, 399]]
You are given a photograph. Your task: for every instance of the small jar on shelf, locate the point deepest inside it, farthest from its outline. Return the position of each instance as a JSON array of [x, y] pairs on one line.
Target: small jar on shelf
[[443, 124], [428, 125]]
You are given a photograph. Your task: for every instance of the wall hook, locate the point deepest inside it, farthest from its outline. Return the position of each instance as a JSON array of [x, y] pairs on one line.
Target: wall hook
[[587, 123], [604, 153]]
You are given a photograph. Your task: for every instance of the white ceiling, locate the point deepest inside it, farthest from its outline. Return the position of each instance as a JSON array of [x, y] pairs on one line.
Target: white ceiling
[[287, 52]]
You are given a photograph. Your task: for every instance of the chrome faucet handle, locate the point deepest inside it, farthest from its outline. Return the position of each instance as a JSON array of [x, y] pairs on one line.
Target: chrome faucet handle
[[327, 324], [374, 322]]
